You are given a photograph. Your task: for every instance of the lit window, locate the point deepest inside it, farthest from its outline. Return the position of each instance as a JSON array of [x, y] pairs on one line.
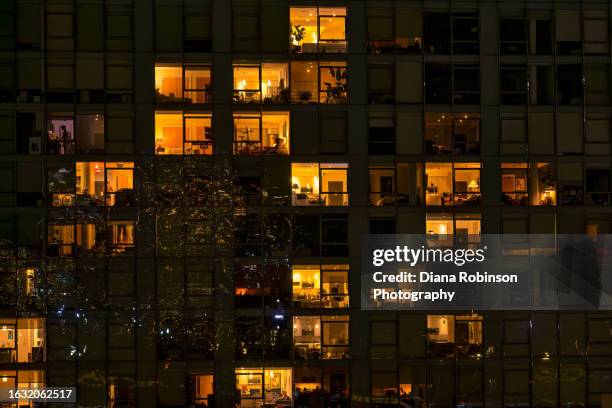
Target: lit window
[[197, 87], [27, 281], [524, 184], [119, 183], [445, 229], [178, 134], [543, 184], [96, 184], [60, 135], [457, 133], [121, 236], [449, 184], [90, 183], [60, 239], [256, 385], [169, 83], [319, 184], [267, 83], [313, 82], [182, 84], [466, 184], [202, 389], [68, 239], [514, 183], [318, 30], [332, 83], [247, 84], [448, 334], [89, 133], [22, 340], [304, 82], [316, 337], [325, 286], [261, 133]]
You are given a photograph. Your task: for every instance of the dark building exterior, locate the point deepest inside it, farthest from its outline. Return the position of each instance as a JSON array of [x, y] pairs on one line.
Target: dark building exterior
[[184, 185]]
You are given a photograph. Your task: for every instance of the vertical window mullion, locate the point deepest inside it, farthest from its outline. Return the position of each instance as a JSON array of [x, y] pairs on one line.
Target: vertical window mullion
[[184, 132]]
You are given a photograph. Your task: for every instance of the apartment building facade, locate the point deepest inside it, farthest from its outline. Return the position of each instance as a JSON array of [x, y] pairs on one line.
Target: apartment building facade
[[184, 186]]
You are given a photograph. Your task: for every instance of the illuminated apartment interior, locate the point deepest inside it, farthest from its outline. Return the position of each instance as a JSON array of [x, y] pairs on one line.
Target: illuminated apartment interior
[[528, 184], [265, 83], [264, 387], [317, 286], [452, 184], [169, 83], [316, 337], [319, 184], [62, 240], [119, 183], [69, 133], [121, 234], [261, 133], [318, 30], [90, 183], [452, 133], [313, 82], [22, 340], [178, 134], [24, 378], [89, 133], [60, 135], [450, 334], [201, 389], [457, 227], [304, 82], [178, 84]]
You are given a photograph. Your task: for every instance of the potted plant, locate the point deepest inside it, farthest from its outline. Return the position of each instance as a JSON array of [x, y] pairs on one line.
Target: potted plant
[[297, 34]]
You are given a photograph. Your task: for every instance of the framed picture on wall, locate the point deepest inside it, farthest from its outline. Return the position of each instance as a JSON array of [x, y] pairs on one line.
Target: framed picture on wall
[[521, 184], [34, 145]]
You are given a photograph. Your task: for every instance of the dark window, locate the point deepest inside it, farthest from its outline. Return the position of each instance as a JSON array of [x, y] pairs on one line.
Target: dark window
[[200, 335], [543, 40], [437, 83], [513, 85], [29, 140], [598, 186], [382, 226], [306, 236], [334, 235], [247, 190], [381, 89], [465, 33], [277, 235], [381, 136], [277, 336], [512, 37], [544, 85], [569, 84], [466, 84], [249, 333], [260, 286], [248, 235], [437, 33]]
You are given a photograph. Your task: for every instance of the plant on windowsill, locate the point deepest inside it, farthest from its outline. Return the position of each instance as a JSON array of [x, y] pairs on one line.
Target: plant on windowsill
[[297, 32]]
